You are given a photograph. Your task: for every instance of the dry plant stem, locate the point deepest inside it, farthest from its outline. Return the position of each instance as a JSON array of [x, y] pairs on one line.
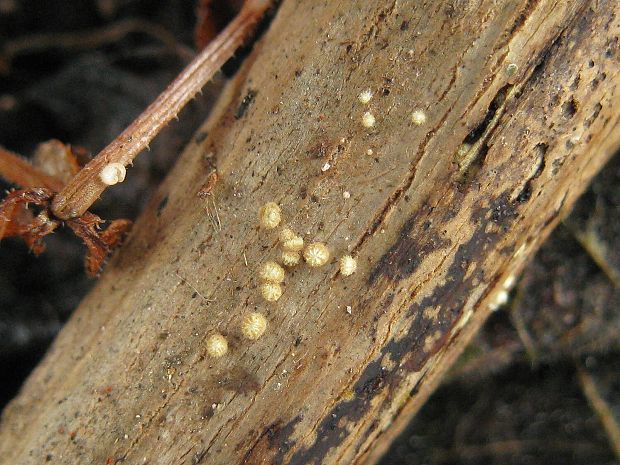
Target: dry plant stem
[[89, 40], [18, 171], [600, 406], [86, 186]]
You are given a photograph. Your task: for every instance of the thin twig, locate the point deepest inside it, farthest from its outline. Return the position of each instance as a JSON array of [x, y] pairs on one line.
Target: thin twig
[[90, 39], [519, 324], [80, 193], [601, 408], [18, 171], [596, 249], [509, 447]]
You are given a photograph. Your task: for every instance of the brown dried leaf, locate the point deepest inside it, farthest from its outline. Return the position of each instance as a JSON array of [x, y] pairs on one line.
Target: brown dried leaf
[[205, 25], [207, 187], [57, 160], [37, 230], [17, 220], [116, 232], [20, 172], [211, 17], [99, 243]]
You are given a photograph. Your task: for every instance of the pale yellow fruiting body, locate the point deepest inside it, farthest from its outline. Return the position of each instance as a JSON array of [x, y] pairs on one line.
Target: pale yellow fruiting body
[[270, 215], [271, 291], [348, 265], [316, 254], [253, 325], [418, 117], [368, 120], [217, 345], [291, 241], [287, 234], [272, 272], [113, 173], [290, 258], [365, 96], [294, 245]]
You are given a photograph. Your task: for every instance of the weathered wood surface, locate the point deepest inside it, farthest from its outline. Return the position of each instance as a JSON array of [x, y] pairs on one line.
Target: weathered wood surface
[[437, 231]]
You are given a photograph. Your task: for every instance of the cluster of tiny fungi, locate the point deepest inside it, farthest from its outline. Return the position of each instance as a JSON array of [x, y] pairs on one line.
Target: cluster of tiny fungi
[[418, 117], [315, 254]]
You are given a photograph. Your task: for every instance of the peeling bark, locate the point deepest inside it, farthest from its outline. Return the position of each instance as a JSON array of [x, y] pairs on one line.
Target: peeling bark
[[440, 217]]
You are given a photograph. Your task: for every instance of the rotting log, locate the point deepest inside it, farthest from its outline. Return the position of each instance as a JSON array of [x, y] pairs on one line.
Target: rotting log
[[440, 216]]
